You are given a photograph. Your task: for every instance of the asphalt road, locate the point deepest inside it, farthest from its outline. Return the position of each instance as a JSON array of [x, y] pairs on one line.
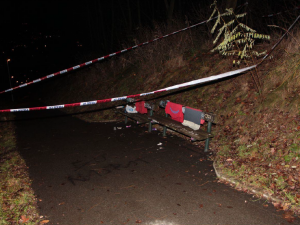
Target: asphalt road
[[89, 173]]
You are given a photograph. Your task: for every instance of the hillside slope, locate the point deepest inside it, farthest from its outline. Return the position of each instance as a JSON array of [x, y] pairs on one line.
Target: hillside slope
[[257, 135]]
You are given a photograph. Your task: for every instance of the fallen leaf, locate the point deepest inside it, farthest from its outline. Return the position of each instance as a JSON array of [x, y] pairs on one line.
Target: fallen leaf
[[138, 221], [272, 186], [24, 219], [277, 205], [272, 151], [45, 221], [288, 215], [266, 205], [201, 206], [286, 206], [229, 207]]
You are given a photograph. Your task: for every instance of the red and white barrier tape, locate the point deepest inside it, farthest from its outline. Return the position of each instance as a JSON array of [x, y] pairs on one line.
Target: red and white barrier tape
[[187, 84], [102, 58], [276, 14], [112, 54], [94, 102]]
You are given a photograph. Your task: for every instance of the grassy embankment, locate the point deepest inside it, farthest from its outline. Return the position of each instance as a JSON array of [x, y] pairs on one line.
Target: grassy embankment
[[17, 200], [257, 138]]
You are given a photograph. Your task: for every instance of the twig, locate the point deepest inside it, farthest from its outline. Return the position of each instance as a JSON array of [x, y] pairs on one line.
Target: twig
[[285, 31], [128, 187], [203, 184], [94, 206]]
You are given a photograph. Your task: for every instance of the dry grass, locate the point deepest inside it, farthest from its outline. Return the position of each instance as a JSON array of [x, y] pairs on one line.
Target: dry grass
[[18, 204]]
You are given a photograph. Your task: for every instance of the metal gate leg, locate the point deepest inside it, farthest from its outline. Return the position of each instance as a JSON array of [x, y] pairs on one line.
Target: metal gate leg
[[150, 126], [207, 140], [165, 129], [150, 122]]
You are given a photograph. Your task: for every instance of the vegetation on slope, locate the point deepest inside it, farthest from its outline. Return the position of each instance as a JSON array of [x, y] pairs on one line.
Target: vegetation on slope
[[257, 134], [17, 200]]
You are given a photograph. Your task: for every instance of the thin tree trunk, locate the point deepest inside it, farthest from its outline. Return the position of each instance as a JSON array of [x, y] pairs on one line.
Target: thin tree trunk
[[112, 25], [170, 9], [139, 13], [129, 16], [153, 11], [104, 41], [90, 22], [123, 13], [231, 4], [180, 8]]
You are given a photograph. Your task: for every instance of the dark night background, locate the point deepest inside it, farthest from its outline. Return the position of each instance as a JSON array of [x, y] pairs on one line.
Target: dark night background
[[43, 37]]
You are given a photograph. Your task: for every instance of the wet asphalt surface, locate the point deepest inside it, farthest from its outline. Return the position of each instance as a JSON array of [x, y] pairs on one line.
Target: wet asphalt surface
[[89, 173]]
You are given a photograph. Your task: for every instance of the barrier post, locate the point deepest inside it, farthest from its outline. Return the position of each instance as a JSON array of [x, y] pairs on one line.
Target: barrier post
[[207, 140], [165, 129], [150, 122]]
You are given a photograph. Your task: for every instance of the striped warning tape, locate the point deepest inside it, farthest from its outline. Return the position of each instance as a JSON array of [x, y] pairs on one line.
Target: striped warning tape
[[111, 55], [102, 58], [187, 84], [94, 102]]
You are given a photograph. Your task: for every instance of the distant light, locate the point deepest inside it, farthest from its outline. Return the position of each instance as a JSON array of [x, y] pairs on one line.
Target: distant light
[[21, 82], [12, 76], [17, 81], [8, 60], [13, 49], [45, 46]]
